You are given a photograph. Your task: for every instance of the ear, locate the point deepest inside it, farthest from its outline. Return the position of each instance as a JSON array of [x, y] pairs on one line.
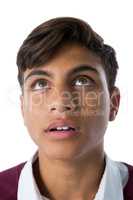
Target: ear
[[22, 104], [114, 103]]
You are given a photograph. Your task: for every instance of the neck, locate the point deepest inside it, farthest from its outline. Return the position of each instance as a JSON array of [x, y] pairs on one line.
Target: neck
[[79, 179]]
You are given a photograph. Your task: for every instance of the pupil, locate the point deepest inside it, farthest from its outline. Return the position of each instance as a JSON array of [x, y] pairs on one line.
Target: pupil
[[82, 81], [41, 83]]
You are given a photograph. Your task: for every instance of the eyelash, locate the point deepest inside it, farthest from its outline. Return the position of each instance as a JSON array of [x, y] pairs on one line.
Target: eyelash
[[32, 86], [86, 77]]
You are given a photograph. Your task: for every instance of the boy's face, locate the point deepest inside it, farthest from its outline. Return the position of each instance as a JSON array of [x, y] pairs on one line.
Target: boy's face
[[74, 89]]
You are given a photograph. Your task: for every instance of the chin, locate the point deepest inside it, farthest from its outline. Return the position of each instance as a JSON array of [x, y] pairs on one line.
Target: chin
[[60, 154]]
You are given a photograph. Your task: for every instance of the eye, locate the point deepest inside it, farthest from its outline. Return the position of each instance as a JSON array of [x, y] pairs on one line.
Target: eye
[[83, 81], [39, 84]]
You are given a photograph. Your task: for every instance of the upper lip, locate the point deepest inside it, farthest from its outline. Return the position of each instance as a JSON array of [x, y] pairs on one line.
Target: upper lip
[[60, 123]]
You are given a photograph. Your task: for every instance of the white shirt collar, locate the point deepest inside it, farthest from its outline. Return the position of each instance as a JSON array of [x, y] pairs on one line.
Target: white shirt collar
[[111, 186], [113, 181]]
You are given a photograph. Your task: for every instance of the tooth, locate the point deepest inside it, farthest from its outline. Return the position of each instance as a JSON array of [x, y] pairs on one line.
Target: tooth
[[62, 128], [65, 127], [59, 128]]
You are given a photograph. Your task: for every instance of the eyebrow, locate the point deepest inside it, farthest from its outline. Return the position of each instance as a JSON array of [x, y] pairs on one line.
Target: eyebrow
[[82, 68], [77, 69], [37, 72]]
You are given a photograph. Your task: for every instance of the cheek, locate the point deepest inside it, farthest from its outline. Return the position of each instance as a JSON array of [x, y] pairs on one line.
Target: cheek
[[34, 114], [97, 129], [94, 103], [36, 103], [95, 116]]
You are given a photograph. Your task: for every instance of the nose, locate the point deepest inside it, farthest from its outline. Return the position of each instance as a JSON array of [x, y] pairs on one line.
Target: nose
[[61, 107], [62, 100], [61, 104]]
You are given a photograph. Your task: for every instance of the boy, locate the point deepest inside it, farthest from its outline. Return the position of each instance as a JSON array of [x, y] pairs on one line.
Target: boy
[[67, 76]]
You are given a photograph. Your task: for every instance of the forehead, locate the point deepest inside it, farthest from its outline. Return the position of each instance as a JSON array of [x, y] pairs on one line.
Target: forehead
[[69, 56]]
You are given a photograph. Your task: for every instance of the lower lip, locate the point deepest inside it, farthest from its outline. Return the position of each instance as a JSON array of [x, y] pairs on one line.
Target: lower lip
[[62, 134]]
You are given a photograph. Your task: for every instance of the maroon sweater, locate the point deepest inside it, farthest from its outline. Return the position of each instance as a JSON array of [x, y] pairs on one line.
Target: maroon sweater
[[9, 183]]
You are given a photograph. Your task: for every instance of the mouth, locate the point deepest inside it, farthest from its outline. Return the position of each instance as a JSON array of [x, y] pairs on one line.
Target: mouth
[[62, 129]]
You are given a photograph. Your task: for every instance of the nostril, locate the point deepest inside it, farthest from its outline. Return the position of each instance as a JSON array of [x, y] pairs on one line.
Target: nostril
[[68, 107], [61, 107], [53, 108]]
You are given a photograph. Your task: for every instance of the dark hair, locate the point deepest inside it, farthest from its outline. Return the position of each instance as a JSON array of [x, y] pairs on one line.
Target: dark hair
[[44, 40]]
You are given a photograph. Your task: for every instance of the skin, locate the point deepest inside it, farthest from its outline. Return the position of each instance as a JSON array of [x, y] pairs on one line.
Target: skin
[[78, 161]]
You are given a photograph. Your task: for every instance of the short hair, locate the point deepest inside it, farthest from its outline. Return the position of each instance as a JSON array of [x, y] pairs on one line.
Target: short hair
[[43, 42]]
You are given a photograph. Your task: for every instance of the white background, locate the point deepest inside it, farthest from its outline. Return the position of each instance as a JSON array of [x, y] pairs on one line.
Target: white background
[[112, 20]]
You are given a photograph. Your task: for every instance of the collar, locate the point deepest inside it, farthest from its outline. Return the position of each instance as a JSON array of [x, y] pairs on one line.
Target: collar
[[111, 186], [113, 181]]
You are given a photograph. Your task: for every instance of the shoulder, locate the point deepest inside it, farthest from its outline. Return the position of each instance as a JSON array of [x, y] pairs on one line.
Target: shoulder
[[9, 182], [128, 189]]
